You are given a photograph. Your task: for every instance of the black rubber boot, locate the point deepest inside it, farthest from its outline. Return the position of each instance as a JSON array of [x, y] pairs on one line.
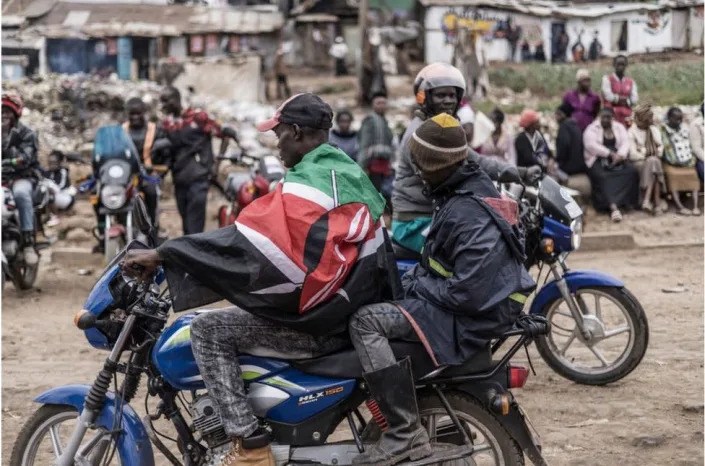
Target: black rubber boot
[[393, 389]]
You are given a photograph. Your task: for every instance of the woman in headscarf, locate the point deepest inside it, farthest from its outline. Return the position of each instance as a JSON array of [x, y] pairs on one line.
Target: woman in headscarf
[[531, 147], [645, 151], [614, 180], [585, 103]]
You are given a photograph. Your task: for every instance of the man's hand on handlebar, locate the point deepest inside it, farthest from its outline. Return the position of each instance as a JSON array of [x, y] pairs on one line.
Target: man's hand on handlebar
[[141, 263], [532, 175]]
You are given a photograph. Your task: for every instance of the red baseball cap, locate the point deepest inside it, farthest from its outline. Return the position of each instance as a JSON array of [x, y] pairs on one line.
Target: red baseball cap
[[305, 110]]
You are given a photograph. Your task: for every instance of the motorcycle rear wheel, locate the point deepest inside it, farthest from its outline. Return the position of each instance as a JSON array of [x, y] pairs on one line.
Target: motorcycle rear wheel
[[44, 436], [24, 276], [495, 445], [636, 326]]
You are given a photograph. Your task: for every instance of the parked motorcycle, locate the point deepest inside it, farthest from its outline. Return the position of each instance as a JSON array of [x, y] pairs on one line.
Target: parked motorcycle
[[599, 331], [241, 188], [115, 185], [469, 410], [14, 267], [591, 313]]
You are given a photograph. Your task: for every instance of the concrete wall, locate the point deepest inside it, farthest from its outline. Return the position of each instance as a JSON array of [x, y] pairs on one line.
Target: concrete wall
[[646, 31], [437, 47]]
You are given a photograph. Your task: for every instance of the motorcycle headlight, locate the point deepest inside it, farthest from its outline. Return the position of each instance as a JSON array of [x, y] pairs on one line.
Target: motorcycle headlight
[[576, 226], [113, 197]]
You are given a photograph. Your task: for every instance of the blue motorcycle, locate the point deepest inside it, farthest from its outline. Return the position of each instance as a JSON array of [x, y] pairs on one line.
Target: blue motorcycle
[[469, 410], [599, 332]]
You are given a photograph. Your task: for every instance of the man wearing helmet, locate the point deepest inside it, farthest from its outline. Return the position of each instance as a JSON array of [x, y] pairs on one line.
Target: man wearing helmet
[[439, 88], [19, 159]]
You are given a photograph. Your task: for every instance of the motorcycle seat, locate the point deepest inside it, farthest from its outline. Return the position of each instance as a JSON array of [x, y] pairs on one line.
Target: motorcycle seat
[[345, 364], [402, 253]]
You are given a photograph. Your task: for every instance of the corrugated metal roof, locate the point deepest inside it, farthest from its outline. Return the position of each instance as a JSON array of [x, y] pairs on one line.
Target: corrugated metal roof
[[150, 20], [544, 8]]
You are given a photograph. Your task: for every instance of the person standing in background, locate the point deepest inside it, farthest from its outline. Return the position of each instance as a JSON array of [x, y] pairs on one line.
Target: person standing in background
[[696, 142], [619, 91], [339, 50], [281, 70], [190, 132], [143, 134], [595, 50], [376, 142], [342, 134], [584, 102], [645, 151]]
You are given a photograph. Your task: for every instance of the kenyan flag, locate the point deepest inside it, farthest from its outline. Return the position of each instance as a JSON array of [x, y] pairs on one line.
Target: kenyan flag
[[307, 254]]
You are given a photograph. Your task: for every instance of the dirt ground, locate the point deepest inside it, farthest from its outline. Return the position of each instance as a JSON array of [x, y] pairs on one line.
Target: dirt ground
[[653, 417]]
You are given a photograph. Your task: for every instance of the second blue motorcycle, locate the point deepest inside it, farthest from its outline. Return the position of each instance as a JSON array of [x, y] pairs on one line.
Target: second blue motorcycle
[[599, 331]]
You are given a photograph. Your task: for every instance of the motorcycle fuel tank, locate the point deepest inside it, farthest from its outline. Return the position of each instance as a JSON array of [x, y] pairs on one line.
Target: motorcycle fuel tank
[[276, 391]]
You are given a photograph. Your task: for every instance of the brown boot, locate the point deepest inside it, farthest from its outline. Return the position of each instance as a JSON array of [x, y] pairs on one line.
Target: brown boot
[[239, 456]]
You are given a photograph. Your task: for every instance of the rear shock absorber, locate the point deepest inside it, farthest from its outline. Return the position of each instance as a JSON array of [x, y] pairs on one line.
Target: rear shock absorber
[[377, 414]]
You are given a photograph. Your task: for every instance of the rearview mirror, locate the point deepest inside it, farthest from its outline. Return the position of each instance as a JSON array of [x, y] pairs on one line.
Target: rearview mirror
[[510, 175], [142, 220]]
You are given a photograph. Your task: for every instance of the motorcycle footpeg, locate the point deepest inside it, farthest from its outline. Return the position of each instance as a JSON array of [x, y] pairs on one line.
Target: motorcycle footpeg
[[441, 454]]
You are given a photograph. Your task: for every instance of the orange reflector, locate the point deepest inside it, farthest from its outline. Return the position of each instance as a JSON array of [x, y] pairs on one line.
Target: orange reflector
[[505, 405], [78, 315], [547, 245]]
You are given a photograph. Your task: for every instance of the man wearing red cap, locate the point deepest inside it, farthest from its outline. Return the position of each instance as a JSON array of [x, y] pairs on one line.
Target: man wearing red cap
[[19, 159], [297, 263]]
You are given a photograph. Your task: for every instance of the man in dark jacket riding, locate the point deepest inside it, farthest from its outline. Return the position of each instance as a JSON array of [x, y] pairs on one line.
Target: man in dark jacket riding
[[469, 287], [19, 160], [439, 88]]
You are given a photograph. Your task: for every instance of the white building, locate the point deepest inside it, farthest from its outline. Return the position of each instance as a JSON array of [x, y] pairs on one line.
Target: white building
[[627, 28]]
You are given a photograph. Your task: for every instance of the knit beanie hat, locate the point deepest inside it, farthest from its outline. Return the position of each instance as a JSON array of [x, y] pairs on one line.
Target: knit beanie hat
[[438, 143]]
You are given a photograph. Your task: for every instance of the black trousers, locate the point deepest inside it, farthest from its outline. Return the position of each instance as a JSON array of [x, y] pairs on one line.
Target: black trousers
[[283, 90], [151, 200], [191, 201]]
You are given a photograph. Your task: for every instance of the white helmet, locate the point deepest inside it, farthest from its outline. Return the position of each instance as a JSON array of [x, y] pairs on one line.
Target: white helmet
[[438, 75]]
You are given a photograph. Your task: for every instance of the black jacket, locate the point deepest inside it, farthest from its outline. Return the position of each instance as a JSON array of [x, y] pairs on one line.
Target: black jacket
[[569, 148], [526, 155], [458, 297], [23, 146]]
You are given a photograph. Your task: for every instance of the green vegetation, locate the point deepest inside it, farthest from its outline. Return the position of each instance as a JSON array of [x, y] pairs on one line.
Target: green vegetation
[[661, 83]]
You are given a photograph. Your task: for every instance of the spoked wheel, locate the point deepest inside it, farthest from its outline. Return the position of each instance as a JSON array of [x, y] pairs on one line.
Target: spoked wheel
[[46, 434], [493, 446], [618, 336]]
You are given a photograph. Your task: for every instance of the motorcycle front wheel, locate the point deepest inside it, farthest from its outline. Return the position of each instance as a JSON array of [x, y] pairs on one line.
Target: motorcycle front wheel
[[619, 336], [47, 433]]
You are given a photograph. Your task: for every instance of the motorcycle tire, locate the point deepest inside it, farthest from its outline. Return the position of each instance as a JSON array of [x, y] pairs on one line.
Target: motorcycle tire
[[464, 406], [41, 419], [641, 341], [23, 277]]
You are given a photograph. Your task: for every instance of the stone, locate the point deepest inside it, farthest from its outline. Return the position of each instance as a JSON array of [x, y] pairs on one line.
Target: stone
[[78, 235], [692, 407], [647, 441]]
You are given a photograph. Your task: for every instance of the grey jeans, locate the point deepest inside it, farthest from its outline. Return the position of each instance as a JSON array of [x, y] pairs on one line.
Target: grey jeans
[[22, 191], [218, 337], [371, 328]]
